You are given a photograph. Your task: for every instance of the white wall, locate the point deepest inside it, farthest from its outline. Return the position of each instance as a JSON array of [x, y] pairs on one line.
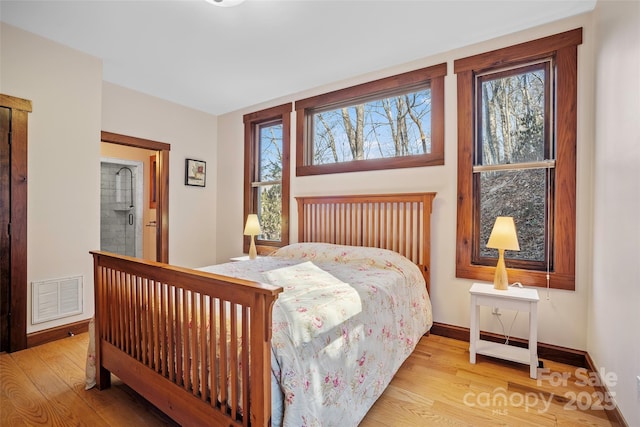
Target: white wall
[[562, 318], [71, 105], [192, 134], [613, 341], [63, 211]]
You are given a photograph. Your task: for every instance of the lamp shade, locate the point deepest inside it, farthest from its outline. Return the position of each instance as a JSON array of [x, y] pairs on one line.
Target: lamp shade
[[503, 235], [252, 227]]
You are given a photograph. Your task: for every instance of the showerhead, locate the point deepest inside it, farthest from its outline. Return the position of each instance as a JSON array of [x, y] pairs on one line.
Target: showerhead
[[124, 167], [131, 185]]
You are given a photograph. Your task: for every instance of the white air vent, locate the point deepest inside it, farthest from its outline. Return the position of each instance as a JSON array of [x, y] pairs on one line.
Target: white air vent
[[54, 299]]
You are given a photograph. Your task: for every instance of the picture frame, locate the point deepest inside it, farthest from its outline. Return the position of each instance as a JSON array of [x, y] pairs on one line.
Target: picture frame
[[195, 172]]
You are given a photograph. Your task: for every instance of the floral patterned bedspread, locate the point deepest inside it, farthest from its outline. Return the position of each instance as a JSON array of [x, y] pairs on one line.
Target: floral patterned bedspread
[[347, 319]]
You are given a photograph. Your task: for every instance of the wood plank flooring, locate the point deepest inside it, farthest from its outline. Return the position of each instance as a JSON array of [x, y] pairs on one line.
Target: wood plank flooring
[[438, 386], [44, 386]]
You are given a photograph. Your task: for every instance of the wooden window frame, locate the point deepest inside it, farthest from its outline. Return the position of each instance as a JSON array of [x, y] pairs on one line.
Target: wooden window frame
[[563, 48], [434, 76], [251, 121], [545, 65]]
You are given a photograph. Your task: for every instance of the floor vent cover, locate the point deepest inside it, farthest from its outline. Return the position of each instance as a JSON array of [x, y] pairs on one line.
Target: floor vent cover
[[54, 299]]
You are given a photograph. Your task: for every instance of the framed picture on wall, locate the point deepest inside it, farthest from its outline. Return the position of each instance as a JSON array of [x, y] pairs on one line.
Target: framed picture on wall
[[195, 172]]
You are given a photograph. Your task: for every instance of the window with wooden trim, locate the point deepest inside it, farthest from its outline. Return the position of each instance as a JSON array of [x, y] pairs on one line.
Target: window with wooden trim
[[389, 123], [517, 157], [266, 187]]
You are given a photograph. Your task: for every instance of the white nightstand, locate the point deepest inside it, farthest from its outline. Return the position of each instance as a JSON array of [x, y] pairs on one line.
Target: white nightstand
[[521, 299]]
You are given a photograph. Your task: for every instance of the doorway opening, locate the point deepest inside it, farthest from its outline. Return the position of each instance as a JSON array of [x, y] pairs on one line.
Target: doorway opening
[[121, 207], [159, 197]]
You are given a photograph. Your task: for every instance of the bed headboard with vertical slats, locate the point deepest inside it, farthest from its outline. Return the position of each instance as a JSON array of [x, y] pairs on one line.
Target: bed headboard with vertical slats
[[398, 222]]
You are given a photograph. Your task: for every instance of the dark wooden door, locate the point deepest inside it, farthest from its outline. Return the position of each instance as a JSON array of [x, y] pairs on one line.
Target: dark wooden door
[[13, 229], [5, 214]]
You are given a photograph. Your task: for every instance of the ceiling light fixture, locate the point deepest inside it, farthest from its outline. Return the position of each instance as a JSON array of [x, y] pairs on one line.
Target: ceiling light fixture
[[225, 3]]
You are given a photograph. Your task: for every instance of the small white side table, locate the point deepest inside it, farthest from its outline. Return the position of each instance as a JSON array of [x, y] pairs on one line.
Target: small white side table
[[521, 299]]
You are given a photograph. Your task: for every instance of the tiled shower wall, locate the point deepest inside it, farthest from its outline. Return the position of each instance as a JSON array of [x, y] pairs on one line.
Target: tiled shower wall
[[118, 222]]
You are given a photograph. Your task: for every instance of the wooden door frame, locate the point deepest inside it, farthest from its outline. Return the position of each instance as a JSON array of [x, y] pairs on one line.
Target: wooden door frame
[[162, 185], [20, 109]]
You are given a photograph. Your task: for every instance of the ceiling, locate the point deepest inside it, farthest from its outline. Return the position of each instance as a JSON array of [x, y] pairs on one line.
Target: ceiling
[[220, 59]]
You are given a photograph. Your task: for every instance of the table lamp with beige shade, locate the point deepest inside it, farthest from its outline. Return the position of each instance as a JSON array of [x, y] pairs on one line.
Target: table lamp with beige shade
[[252, 228], [503, 237]]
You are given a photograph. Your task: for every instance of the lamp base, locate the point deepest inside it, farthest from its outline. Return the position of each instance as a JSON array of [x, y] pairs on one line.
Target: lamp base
[[500, 280], [252, 249]]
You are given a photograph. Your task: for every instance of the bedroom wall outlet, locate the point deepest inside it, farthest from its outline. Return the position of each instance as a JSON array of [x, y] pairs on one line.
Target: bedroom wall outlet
[[496, 311]]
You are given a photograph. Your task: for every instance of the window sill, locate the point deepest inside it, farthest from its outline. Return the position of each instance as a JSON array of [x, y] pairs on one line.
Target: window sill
[[526, 277]]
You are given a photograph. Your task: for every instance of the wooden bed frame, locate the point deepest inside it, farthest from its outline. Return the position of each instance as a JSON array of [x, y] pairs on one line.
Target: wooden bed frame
[[157, 325]]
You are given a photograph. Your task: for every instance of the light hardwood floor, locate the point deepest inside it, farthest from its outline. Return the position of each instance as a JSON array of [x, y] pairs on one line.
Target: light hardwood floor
[[44, 385]]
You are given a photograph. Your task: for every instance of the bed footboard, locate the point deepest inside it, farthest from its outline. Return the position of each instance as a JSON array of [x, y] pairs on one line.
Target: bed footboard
[[195, 344]]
